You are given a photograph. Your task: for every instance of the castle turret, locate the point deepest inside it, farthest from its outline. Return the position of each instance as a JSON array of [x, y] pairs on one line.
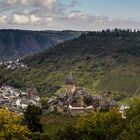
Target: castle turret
[[70, 80], [70, 84]]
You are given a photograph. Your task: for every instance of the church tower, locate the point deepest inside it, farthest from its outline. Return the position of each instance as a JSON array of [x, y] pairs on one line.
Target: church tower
[[70, 84]]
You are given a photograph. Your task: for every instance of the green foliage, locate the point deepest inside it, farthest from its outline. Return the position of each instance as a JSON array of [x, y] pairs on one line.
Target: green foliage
[[70, 133], [88, 57], [21, 43], [120, 82], [40, 136], [44, 102], [31, 116], [98, 126], [132, 127], [55, 121], [12, 126], [105, 125]]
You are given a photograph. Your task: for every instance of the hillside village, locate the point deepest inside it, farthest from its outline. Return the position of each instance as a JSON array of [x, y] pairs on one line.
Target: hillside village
[[16, 100], [73, 100], [12, 64], [79, 100]]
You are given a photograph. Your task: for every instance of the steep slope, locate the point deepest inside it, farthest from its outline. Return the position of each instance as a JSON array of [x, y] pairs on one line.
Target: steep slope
[[20, 43], [117, 45], [88, 57]]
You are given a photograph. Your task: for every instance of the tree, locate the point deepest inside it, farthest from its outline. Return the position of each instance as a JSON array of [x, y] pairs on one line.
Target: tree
[[12, 126], [98, 126], [132, 123], [44, 102], [101, 125], [31, 116], [69, 133], [83, 35]]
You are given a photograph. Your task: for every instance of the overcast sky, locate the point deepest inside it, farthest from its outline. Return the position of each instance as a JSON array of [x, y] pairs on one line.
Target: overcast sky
[[69, 14]]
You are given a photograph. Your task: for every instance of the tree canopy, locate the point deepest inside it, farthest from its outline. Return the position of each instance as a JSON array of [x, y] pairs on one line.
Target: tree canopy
[[12, 126], [32, 118], [105, 126]]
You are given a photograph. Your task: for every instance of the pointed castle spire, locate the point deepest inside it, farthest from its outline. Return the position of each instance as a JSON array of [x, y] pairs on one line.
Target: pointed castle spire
[[70, 84], [70, 80]]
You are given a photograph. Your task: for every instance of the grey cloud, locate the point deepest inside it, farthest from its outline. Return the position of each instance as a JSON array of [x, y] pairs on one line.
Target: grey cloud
[[51, 14]]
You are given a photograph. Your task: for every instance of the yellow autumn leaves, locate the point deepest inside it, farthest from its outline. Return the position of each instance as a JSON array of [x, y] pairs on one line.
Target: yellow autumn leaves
[[12, 126]]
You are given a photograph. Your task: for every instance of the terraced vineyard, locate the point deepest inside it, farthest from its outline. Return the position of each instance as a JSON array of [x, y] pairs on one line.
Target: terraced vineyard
[[121, 82]]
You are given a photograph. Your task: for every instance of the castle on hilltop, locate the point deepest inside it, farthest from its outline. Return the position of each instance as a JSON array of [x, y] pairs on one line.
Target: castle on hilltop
[[78, 99]]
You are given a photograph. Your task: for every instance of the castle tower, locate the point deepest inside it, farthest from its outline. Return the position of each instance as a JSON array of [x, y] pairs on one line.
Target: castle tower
[[108, 96], [70, 84]]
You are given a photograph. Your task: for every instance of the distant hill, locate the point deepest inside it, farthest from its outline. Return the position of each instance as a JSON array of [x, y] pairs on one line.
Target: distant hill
[[20, 43], [89, 58], [118, 45]]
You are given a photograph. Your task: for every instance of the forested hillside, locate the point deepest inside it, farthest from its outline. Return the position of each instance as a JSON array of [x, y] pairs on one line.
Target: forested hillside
[[88, 57], [20, 43]]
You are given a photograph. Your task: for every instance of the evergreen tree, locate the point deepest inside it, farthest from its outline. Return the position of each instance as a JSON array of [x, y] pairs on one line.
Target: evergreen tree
[[32, 118]]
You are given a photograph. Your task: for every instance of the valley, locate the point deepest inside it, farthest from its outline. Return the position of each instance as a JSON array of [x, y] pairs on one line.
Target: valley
[[96, 60], [69, 70], [106, 76], [16, 44]]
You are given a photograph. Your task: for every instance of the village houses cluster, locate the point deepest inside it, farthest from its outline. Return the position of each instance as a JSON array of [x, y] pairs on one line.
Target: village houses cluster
[[12, 64], [17, 100], [73, 100]]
